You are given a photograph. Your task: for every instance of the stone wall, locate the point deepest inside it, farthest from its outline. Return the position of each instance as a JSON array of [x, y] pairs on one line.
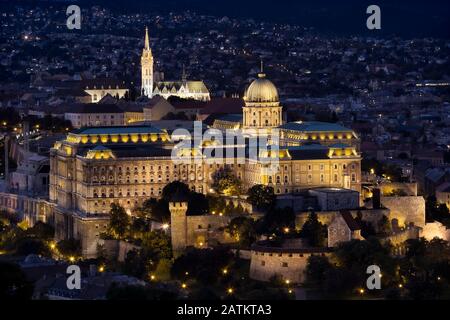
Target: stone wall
[[197, 231], [406, 209], [28, 208], [410, 188], [435, 230], [370, 215], [117, 249], [88, 230], [204, 229], [288, 264]]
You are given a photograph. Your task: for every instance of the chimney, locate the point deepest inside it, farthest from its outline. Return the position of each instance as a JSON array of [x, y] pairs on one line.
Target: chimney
[[376, 198]]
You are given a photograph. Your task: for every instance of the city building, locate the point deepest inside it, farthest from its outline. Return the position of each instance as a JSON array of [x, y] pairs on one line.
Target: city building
[[186, 89]]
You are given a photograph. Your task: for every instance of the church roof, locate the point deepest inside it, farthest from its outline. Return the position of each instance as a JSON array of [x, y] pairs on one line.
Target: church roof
[[175, 86]]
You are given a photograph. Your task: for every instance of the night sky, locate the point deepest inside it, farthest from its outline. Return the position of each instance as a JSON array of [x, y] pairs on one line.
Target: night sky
[[407, 18]]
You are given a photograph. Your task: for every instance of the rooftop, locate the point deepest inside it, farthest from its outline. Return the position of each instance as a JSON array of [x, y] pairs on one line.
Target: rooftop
[[117, 130], [315, 126]]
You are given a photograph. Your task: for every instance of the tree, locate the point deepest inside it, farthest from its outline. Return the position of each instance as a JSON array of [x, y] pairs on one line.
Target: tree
[[27, 245], [261, 196], [175, 187], [155, 209], [119, 221], [162, 271], [156, 245], [197, 204], [13, 283], [225, 182], [243, 230], [203, 264], [435, 211], [135, 264], [384, 226], [216, 203], [69, 247], [276, 220], [316, 270], [314, 231], [42, 231]]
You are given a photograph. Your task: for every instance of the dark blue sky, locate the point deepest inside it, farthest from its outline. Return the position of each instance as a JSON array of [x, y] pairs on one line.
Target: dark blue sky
[[409, 18]]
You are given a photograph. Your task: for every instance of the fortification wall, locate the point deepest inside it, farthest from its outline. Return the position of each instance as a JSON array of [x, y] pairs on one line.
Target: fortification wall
[[410, 188], [435, 230], [406, 209], [288, 265]]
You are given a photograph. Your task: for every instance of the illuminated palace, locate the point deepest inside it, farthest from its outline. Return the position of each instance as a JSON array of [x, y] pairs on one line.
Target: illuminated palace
[[94, 167]]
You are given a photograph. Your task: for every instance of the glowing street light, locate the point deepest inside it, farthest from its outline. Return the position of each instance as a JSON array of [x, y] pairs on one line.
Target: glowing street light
[[184, 285], [230, 290], [287, 281], [286, 230], [361, 291], [224, 271], [152, 277], [71, 258], [101, 269], [165, 226]]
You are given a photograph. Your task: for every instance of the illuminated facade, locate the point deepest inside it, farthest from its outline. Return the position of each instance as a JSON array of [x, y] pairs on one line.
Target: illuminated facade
[[186, 89], [262, 108], [147, 68]]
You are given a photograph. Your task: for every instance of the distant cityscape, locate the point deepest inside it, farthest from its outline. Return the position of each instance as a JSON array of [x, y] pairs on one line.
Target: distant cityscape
[[322, 170]]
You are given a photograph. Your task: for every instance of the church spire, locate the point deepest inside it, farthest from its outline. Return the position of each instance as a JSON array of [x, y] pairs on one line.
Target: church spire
[[261, 74], [147, 42], [183, 75]]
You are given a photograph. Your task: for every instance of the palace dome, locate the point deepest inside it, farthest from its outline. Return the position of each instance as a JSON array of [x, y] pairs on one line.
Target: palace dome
[[261, 90]]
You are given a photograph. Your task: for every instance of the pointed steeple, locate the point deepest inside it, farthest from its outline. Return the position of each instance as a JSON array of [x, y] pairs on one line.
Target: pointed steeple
[[183, 75], [147, 42], [261, 74]]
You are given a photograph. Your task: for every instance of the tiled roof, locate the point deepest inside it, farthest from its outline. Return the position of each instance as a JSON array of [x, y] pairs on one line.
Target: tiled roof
[[94, 108], [223, 105], [309, 152], [351, 223], [230, 117]]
